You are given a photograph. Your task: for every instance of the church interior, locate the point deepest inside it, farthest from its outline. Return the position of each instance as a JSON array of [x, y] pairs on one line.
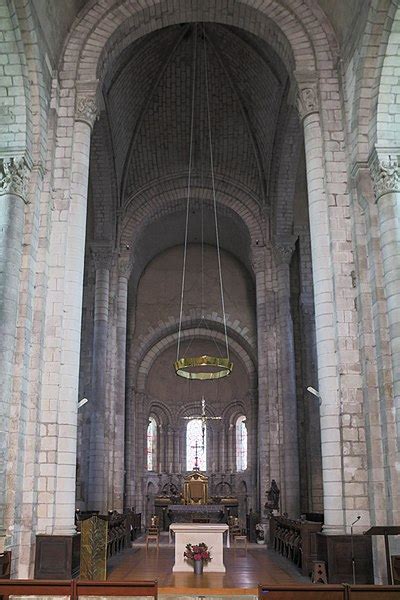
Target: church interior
[[199, 296]]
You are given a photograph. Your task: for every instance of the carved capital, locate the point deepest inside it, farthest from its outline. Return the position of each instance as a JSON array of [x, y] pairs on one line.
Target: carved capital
[[385, 175], [307, 94], [14, 175], [283, 251], [86, 110], [258, 258], [102, 256], [308, 102], [125, 265]]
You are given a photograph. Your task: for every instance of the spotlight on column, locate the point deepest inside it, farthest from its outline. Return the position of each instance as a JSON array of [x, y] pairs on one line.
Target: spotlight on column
[[315, 392], [82, 402]]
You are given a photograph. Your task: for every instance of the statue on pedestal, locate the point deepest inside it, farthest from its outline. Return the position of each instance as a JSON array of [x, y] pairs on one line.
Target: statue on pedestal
[[273, 494]]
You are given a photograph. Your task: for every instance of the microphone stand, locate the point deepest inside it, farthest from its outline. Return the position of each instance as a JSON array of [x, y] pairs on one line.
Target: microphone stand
[[353, 561]]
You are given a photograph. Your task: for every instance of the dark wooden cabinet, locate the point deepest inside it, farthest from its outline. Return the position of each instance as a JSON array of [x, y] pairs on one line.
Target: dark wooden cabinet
[[57, 556], [335, 550]]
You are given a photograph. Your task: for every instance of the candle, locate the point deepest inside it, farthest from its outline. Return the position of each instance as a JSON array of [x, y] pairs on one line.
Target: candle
[[170, 467], [159, 468], [213, 467], [180, 468]]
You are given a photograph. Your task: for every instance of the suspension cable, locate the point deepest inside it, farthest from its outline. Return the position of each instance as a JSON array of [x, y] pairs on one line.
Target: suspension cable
[[188, 190], [214, 194]]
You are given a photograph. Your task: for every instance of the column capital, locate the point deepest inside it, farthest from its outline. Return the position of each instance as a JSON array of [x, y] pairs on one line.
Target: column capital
[[125, 264], [87, 108], [385, 173], [102, 256], [283, 252], [307, 97], [14, 175]]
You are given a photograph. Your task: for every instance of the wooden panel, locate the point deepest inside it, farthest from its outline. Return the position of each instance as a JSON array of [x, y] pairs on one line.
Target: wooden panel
[[376, 592], [314, 592], [94, 549], [120, 588], [336, 551], [57, 556]]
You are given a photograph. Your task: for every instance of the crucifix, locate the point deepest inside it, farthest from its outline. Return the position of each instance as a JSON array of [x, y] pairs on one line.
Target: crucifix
[[203, 418], [196, 456]]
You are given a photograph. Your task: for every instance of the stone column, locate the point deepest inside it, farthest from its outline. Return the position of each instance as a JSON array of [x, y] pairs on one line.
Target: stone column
[[170, 450], [120, 399], [290, 491], [64, 501], [325, 310], [98, 471], [258, 263], [13, 182], [386, 177], [343, 445]]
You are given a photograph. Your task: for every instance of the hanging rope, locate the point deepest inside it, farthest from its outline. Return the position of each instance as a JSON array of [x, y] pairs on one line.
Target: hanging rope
[[221, 287], [221, 366], [188, 190]]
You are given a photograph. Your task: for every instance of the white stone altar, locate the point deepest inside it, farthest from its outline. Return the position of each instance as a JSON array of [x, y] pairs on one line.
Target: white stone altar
[[194, 533]]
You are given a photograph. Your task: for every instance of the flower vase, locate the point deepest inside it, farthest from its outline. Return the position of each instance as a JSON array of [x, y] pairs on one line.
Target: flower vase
[[198, 567]]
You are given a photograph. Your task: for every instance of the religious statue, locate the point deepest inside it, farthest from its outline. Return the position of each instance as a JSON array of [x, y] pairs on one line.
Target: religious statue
[[273, 494]]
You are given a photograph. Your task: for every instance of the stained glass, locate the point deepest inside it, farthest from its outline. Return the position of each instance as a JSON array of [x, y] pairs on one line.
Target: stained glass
[[151, 444], [194, 434], [241, 443]]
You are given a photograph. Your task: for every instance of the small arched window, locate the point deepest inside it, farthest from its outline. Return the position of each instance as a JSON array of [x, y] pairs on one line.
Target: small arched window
[[196, 437], [241, 443], [151, 444]]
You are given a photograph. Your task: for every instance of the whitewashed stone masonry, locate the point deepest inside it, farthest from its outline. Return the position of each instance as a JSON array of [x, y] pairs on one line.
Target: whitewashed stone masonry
[[56, 508], [13, 188], [290, 485], [386, 177], [344, 481]]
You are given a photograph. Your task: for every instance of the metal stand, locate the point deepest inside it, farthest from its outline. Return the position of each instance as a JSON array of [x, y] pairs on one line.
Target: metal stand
[[353, 560]]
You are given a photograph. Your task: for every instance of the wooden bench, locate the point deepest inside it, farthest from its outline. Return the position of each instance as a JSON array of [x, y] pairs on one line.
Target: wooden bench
[[302, 592], [73, 589]]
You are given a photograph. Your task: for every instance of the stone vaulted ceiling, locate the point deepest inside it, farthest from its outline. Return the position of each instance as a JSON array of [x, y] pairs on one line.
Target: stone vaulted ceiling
[[148, 100]]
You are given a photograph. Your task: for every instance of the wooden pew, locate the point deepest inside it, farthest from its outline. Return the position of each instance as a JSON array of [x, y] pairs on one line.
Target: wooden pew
[[374, 592], [74, 589], [302, 592]]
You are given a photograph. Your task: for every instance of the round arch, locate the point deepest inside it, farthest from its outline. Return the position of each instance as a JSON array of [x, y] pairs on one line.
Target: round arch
[[168, 196], [145, 363], [105, 29]]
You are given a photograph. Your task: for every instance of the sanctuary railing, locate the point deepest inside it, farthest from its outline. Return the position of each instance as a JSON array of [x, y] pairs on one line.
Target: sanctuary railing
[[76, 589]]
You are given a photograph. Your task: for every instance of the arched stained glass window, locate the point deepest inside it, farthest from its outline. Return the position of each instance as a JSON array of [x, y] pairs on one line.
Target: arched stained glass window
[[241, 443], [194, 433], [151, 444]]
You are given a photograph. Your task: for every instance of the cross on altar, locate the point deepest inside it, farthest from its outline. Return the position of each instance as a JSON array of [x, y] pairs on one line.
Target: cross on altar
[[196, 457], [203, 418]]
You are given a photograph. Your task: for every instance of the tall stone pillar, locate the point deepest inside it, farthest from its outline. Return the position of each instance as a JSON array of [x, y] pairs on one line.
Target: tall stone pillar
[[170, 452], [290, 486], [269, 441], [258, 262], [13, 180], [386, 176], [161, 449], [120, 399], [64, 502], [339, 382], [98, 468]]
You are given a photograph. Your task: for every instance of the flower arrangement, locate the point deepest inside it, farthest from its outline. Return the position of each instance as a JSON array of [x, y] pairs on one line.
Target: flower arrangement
[[197, 552]]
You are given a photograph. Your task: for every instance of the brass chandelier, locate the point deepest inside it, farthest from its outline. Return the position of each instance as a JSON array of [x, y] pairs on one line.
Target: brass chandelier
[[204, 367]]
